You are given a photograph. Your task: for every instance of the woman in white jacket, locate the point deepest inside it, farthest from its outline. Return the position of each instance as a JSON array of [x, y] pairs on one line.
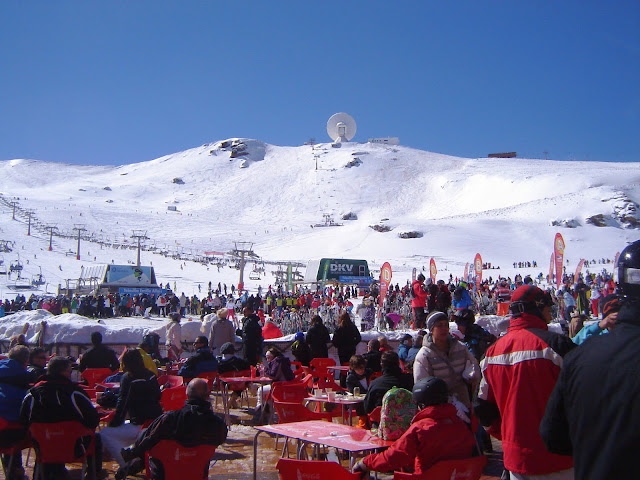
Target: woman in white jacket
[[174, 336], [445, 357]]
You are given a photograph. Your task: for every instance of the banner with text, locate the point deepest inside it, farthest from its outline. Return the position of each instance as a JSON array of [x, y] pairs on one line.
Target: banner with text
[[433, 271], [558, 254], [477, 262], [385, 280]]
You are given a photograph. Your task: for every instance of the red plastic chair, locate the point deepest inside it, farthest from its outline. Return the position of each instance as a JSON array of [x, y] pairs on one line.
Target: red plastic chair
[[20, 445], [319, 366], [374, 416], [170, 380], [296, 412], [237, 386], [289, 392], [211, 378], [56, 443], [295, 469], [95, 375], [179, 462], [465, 469], [173, 398]]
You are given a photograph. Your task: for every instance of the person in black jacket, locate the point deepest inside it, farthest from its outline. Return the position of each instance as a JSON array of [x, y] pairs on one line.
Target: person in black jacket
[[589, 414], [373, 355], [392, 376], [318, 338], [37, 363], [55, 398], [99, 356], [251, 336], [139, 399], [346, 338], [195, 424], [203, 361]]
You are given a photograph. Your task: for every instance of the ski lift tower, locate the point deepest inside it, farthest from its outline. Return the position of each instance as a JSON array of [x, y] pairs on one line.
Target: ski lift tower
[[242, 249], [139, 235], [29, 213], [52, 229], [80, 228]]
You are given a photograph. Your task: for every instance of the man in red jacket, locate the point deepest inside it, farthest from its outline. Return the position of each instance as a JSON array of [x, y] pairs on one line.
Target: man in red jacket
[[520, 371], [419, 302], [436, 434]]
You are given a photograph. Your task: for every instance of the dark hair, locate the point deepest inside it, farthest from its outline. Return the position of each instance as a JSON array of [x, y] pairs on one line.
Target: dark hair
[[132, 362], [96, 338], [35, 352], [316, 320], [357, 361], [345, 320], [374, 344], [202, 339], [275, 352], [57, 365], [390, 361]]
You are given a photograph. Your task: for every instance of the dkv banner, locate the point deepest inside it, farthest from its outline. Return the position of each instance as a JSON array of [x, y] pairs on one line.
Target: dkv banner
[[477, 263], [433, 271], [385, 281], [558, 254]]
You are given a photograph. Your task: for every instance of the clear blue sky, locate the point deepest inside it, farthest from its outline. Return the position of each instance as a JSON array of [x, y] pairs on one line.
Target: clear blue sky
[[126, 81]]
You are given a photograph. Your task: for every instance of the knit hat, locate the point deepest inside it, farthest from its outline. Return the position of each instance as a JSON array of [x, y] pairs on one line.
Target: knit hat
[[299, 336], [227, 348], [610, 304], [434, 318], [222, 312]]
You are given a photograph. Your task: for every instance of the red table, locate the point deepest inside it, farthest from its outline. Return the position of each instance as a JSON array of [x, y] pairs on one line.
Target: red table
[[318, 432]]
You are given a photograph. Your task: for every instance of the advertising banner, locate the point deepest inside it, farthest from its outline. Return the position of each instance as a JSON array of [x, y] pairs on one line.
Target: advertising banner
[[579, 268], [414, 274], [551, 265], [558, 254], [385, 281], [477, 262], [466, 272], [433, 271], [129, 275]]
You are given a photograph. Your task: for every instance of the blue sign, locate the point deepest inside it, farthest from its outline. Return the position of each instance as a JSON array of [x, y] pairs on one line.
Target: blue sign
[[138, 291], [354, 279]]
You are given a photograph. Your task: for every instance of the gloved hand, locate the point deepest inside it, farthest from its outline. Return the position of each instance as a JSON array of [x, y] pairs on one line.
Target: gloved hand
[[360, 467]]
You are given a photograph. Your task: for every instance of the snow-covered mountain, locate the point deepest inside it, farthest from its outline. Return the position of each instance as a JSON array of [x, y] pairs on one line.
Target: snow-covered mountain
[[245, 190]]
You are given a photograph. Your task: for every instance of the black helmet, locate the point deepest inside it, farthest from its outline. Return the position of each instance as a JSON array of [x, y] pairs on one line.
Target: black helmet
[[464, 316], [421, 277], [629, 271], [430, 391]]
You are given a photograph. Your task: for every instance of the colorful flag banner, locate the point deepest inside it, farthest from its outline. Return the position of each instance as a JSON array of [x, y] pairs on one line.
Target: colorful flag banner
[[433, 271], [385, 281], [558, 253]]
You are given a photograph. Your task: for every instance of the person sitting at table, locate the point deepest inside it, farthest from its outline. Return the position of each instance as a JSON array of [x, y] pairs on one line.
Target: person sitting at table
[[99, 356], [228, 362], [55, 398], [37, 363], [392, 376], [278, 368], [436, 433], [373, 355], [146, 349], [358, 377], [203, 361], [384, 344], [195, 424], [139, 399]]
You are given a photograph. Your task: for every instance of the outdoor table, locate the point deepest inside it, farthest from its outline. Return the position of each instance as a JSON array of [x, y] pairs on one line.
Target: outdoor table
[[106, 385], [318, 432], [343, 400], [339, 368], [225, 392]]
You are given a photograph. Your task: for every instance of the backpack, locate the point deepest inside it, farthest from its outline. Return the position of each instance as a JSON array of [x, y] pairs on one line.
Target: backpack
[[398, 409]]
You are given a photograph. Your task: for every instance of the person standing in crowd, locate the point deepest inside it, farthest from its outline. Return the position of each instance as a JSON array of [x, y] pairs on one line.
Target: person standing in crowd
[[300, 349], [436, 434], [318, 338], [99, 356], [346, 338], [252, 337], [474, 337], [173, 341], [610, 307], [222, 331], [590, 414], [520, 371], [445, 357], [419, 301]]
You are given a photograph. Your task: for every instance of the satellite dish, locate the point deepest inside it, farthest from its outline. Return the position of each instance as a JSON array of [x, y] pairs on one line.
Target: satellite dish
[[341, 127]]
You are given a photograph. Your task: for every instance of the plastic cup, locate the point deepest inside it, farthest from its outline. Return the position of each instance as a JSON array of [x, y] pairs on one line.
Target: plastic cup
[[356, 391], [331, 396], [317, 393]]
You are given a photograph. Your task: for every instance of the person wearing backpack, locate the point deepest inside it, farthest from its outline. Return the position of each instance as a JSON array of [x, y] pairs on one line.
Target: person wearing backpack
[[436, 433]]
